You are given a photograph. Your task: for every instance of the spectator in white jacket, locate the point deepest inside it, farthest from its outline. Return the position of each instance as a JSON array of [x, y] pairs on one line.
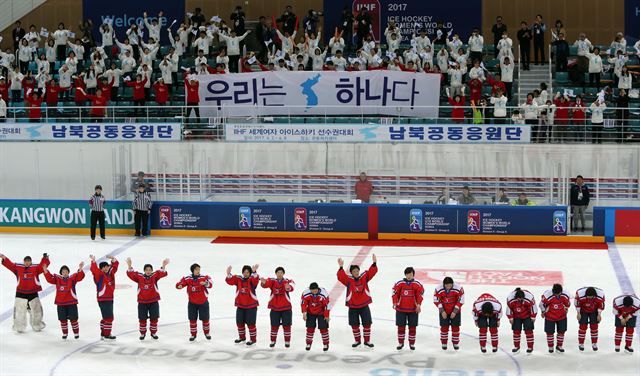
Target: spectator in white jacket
[[421, 41], [530, 110], [127, 64], [33, 37], [78, 49], [476, 44], [618, 62], [124, 47], [61, 37], [64, 81], [114, 74], [166, 70], [317, 59], [154, 26], [505, 47], [595, 67], [15, 77], [176, 44], [619, 44], [106, 31], [455, 80], [455, 43], [336, 43], [43, 64], [72, 62], [3, 110], [287, 40], [625, 79], [135, 35], [584, 46], [506, 73], [597, 119], [50, 51], [25, 55], [499, 102], [477, 71], [233, 48], [339, 61], [442, 59], [393, 40]]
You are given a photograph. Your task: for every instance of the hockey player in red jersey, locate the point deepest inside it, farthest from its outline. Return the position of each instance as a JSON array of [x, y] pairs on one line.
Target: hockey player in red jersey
[[197, 286], [589, 302], [626, 308], [246, 301], [148, 296], [280, 305], [487, 312], [66, 297], [449, 298], [407, 302], [554, 305], [521, 312], [315, 312], [358, 299], [27, 299], [104, 276]]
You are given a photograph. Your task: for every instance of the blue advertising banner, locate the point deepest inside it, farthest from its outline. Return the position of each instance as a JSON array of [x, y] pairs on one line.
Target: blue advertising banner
[[631, 21], [462, 219], [104, 131], [409, 15], [125, 13], [260, 217]]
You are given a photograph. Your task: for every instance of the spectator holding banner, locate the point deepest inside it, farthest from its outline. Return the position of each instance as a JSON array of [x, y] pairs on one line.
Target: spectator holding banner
[[142, 208], [579, 200], [364, 188]]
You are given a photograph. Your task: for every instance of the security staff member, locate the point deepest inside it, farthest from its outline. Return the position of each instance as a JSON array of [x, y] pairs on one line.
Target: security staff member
[[142, 208], [96, 202]]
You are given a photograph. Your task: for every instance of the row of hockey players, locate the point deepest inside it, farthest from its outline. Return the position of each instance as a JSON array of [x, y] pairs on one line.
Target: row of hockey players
[[407, 298]]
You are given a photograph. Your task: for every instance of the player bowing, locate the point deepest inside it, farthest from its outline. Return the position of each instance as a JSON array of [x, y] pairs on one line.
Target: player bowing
[[198, 286], [280, 305], [148, 296], [554, 305], [407, 301], [627, 309], [315, 312], [246, 301], [449, 298], [589, 302], [521, 312], [358, 299], [104, 276], [66, 298], [487, 312]]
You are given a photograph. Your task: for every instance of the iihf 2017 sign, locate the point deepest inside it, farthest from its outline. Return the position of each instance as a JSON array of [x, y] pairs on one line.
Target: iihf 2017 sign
[[320, 93]]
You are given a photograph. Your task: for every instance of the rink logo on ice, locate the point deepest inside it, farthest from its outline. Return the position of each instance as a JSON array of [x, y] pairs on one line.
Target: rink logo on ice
[[473, 222], [415, 220], [300, 219], [559, 222], [165, 216], [491, 277], [244, 218]]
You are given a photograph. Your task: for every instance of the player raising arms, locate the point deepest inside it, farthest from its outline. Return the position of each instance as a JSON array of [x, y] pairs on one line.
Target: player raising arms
[[358, 299], [554, 305], [627, 309], [487, 312], [407, 301], [27, 299], [104, 276], [449, 298], [148, 296], [315, 312], [589, 302], [280, 305], [66, 298], [521, 312], [246, 301], [198, 286]]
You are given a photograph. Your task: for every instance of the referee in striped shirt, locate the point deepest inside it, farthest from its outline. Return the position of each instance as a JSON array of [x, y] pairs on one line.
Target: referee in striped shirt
[[142, 208], [96, 202]]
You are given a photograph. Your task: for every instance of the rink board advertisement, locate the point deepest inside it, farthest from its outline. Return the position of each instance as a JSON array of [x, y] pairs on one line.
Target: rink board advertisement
[[480, 220], [379, 92], [409, 16], [260, 217], [62, 214], [90, 132], [371, 133], [125, 13]]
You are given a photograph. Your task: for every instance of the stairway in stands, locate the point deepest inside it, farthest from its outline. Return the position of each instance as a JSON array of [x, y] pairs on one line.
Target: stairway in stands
[[531, 79]]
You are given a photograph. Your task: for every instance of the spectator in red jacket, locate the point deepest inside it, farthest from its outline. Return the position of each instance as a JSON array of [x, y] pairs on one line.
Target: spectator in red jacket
[[475, 86], [4, 89], [99, 103], [561, 119], [161, 91], [106, 86], [457, 114], [28, 83], [192, 87], [496, 83], [33, 102], [79, 97], [52, 91], [138, 92], [578, 114]]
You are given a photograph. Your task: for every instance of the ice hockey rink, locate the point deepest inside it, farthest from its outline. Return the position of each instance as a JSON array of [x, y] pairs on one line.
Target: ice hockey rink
[[482, 270]]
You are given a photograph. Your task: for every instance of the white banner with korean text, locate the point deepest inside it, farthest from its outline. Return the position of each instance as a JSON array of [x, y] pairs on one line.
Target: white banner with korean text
[[320, 93], [103, 131], [379, 133]]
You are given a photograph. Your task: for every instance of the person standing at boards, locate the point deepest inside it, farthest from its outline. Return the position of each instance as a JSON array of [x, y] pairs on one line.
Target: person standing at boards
[[96, 203], [142, 207]]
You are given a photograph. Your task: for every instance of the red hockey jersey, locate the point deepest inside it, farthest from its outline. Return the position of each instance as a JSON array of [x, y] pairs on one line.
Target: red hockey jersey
[[555, 307], [197, 287], [524, 309], [358, 294], [105, 282], [316, 305], [589, 305], [27, 276], [407, 295], [623, 312], [448, 300], [147, 285], [477, 306], [65, 287], [280, 289], [245, 290]]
